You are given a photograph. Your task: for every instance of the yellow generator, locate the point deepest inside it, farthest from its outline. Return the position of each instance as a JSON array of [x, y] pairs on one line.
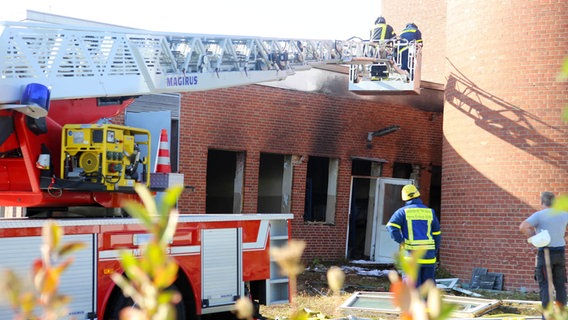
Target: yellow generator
[[105, 156]]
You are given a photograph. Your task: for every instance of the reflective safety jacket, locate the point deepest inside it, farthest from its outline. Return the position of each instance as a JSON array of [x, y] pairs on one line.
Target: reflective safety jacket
[[382, 31], [415, 226], [410, 34]]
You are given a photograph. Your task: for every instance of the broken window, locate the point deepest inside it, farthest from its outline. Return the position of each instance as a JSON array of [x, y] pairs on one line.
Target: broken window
[[382, 302], [321, 189], [401, 170], [224, 186], [274, 183]]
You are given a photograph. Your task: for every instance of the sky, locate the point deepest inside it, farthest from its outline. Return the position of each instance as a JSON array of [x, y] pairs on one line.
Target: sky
[[307, 19]]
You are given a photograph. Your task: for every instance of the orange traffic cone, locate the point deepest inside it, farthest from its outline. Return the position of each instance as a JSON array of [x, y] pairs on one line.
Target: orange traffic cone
[[163, 160]]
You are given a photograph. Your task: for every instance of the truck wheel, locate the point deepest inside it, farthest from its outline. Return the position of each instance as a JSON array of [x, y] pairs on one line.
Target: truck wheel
[[119, 302]]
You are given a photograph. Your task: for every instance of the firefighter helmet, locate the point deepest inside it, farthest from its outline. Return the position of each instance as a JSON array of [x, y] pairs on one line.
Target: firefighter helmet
[[380, 20], [411, 25], [409, 191]]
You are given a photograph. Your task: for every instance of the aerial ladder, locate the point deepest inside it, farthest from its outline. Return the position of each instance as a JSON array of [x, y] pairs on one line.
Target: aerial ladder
[[58, 82], [53, 76]]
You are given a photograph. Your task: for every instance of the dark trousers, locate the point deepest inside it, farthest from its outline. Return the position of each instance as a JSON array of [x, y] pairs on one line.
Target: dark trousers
[[404, 60], [426, 271], [558, 267]]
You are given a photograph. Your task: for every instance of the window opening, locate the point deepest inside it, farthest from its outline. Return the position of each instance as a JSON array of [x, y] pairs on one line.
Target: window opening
[[321, 189], [274, 183], [224, 181]]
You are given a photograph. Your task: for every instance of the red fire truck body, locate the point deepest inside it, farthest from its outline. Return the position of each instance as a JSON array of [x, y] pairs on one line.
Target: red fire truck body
[[221, 257], [21, 180], [54, 90]]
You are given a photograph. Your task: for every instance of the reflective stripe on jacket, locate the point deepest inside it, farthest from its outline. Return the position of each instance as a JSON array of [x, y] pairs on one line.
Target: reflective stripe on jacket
[[382, 31], [419, 223], [415, 227], [410, 34]]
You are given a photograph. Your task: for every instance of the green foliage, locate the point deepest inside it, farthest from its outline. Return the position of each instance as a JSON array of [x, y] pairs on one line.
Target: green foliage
[[46, 273], [147, 277], [409, 264], [563, 76], [553, 311], [159, 221], [561, 203], [443, 273], [424, 302], [315, 262]]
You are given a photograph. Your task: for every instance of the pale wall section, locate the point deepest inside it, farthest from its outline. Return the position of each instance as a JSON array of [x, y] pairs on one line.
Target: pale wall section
[[430, 17]]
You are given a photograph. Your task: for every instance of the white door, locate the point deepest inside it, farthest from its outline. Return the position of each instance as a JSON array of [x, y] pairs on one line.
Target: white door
[[388, 201]]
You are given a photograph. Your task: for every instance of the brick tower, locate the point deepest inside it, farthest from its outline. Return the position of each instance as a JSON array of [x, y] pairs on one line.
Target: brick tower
[[504, 139]]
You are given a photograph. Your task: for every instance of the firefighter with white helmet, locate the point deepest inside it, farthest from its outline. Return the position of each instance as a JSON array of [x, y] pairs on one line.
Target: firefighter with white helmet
[[416, 227]]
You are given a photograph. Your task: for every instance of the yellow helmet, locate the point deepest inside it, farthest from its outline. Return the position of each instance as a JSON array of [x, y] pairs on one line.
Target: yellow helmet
[[409, 191]]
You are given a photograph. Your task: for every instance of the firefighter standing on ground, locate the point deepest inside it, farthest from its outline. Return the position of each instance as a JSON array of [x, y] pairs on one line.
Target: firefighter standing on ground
[[555, 222], [415, 227]]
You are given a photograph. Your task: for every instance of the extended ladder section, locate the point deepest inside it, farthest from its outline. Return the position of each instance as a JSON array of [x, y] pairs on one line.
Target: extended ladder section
[[83, 62]]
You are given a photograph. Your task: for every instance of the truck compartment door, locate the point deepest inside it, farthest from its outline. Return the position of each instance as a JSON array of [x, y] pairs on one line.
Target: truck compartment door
[[221, 269], [77, 282]]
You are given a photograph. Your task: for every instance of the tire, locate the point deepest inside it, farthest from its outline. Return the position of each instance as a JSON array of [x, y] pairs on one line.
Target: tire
[[119, 302]]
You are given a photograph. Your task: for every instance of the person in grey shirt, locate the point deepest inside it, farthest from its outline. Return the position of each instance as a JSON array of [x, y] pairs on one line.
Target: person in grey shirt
[[555, 222]]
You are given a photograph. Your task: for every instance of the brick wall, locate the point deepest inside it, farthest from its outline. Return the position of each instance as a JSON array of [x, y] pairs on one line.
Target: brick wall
[[504, 141], [258, 119]]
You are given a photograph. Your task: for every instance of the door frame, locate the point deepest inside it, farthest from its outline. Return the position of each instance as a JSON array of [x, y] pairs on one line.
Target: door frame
[[371, 203], [376, 232], [380, 232]]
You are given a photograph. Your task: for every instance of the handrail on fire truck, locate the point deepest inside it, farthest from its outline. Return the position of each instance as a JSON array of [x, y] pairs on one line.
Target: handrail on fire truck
[[393, 72]]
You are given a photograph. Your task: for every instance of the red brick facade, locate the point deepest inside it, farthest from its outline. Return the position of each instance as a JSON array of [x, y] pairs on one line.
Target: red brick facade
[[257, 119], [504, 140]]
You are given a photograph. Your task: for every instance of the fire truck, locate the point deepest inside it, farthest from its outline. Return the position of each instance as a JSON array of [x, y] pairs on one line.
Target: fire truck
[[59, 161]]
